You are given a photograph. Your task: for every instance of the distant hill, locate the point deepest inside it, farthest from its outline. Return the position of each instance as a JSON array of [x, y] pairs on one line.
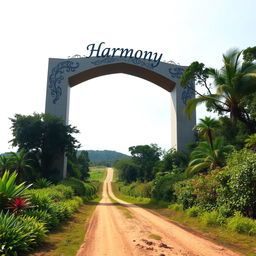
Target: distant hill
[[104, 157]]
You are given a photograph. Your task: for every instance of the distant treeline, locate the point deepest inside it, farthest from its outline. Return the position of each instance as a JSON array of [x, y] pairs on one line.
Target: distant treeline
[[104, 157]]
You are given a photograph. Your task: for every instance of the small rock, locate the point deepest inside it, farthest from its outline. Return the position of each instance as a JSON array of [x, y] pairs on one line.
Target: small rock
[[134, 240], [162, 254]]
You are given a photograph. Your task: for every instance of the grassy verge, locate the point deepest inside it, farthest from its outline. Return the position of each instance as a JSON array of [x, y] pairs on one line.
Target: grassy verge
[[238, 242], [97, 173], [67, 239]]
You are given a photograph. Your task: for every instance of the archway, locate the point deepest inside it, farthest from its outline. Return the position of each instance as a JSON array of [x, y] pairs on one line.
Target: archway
[[63, 74]]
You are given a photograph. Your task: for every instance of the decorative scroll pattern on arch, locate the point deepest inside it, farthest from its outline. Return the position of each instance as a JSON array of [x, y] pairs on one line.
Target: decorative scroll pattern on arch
[[187, 93], [135, 61], [56, 78]]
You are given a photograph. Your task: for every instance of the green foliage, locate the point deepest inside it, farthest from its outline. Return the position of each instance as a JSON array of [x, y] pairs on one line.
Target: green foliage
[[232, 82], [43, 216], [81, 188], [9, 190], [128, 170], [13, 239], [174, 161], [212, 219], [241, 224], [42, 183], [251, 142], [241, 167], [193, 211], [37, 230], [18, 235], [46, 136], [136, 189], [208, 157], [163, 186], [184, 193], [176, 207], [146, 157], [104, 157], [4, 164]]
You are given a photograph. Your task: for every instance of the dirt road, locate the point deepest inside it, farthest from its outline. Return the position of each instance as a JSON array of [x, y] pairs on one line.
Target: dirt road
[[128, 230]]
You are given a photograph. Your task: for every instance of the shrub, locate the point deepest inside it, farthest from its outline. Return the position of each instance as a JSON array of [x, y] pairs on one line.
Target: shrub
[[193, 211], [50, 221], [36, 229], [242, 168], [14, 238], [212, 219], [9, 190], [184, 193], [76, 184], [176, 207], [42, 183], [242, 224], [163, 186]]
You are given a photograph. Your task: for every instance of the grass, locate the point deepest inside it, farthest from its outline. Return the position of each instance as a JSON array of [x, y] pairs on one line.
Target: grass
[[238, 242], [155, 236], [67, 239], [97, 173]]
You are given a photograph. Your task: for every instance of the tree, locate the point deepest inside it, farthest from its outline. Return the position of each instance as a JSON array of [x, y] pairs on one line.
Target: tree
[[46, 136], [127, 170], [145, 156], [174, 161], [205, 157], [207, 127], [232, 82]]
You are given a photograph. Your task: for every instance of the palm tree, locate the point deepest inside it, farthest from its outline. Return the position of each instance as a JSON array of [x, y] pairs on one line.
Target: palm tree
[[206, 128], [232, 82], [251, 142], [205, 157], [20, 161]]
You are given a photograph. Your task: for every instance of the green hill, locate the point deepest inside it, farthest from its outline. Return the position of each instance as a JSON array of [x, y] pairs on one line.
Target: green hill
[[104, 157]]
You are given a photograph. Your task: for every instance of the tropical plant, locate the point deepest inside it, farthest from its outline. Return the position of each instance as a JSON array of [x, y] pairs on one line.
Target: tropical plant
[[207, 127], [9, 190], [4, 163], [232, 82], [42, 183], [20, 162], [18, 205], [205, 157], [251, 142]]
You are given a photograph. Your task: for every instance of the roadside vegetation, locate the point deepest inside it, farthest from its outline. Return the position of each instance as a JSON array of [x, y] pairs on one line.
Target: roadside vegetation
[[35, 201], [214, 181]]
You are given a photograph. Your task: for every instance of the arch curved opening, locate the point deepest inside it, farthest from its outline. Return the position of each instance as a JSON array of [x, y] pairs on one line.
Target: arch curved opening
[[125, 68]]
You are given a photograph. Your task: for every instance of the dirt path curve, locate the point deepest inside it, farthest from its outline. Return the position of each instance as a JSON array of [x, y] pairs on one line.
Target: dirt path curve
[[127, 230]]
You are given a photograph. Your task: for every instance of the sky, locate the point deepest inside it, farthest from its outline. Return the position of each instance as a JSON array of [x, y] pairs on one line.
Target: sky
[[117, 111]]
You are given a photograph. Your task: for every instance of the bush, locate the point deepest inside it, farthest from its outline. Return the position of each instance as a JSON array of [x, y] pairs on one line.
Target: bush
[[193, 211], [242, 169], [42, 183], [163, 186], [18, 235], [50, 221], [184, 193], [176, 207], [36, 229], [136, 189], [212, 219], [76, 184], [242, 224]]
